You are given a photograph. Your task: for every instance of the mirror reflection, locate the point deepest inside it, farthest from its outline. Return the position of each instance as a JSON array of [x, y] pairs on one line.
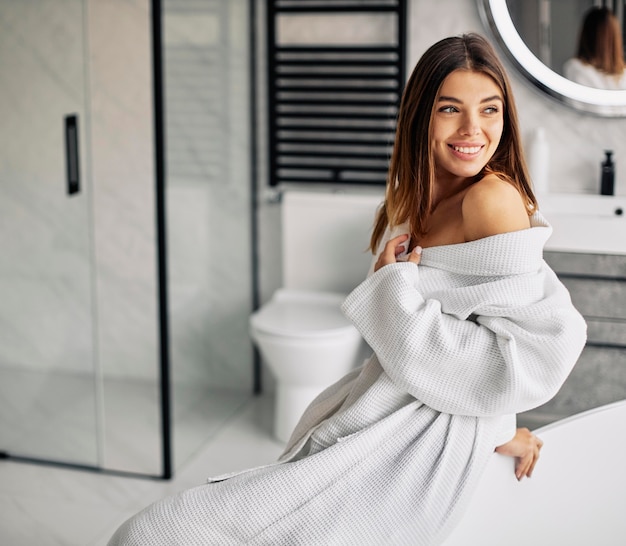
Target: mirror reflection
[[541, 36], [582, 40]]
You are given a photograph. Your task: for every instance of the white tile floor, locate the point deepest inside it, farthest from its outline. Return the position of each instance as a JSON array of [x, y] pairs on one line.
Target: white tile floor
[[43, 505]]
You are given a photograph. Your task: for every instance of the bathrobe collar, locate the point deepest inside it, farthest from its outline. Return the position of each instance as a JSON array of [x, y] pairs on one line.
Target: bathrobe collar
[[510, 253]]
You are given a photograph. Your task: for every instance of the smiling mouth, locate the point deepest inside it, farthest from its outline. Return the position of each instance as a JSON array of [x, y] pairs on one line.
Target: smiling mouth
[[466, 149]]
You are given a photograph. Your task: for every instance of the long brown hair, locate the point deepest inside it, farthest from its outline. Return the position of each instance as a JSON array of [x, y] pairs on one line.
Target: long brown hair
[[411, 176], [600, 41]]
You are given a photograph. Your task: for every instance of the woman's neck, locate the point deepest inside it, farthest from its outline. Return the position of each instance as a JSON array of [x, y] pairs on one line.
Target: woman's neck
[[443, 191]]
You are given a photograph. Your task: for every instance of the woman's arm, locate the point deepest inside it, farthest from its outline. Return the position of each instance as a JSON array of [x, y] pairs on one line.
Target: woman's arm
[[512, 358]]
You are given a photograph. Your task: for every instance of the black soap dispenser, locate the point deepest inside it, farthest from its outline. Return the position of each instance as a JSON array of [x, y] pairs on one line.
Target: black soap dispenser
[[607, 177]]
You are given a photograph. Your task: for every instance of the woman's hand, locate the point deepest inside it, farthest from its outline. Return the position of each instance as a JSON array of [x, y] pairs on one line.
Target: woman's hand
[[525, 447], [393, 249]]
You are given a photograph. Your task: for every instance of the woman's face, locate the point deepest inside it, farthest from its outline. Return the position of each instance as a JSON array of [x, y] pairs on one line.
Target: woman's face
[[467, 124]]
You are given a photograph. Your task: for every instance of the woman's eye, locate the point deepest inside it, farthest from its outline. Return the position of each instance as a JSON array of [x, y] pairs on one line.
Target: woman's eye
[[448, 109], [491, 110]]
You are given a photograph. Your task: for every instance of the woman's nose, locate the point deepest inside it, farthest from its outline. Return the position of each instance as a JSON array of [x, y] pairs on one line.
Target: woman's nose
[[469, 126]]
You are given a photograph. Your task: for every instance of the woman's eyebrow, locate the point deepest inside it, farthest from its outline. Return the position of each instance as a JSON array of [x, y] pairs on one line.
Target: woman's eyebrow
[[458, 101], [449, 99], [492, 98]]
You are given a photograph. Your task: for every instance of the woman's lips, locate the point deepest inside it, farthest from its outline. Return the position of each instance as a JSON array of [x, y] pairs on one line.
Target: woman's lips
[[466, 151]]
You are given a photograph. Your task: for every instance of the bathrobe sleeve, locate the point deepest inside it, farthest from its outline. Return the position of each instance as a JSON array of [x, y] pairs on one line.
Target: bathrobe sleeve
[[501, 346]]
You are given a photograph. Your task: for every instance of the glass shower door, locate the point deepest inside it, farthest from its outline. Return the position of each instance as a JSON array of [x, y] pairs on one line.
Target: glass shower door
[[48, 398]]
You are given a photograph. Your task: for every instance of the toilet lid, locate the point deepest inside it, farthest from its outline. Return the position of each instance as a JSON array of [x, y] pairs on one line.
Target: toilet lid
[[295, 313]]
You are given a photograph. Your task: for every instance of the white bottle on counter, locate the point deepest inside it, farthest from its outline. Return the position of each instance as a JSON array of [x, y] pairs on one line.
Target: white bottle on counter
[[539, 161]]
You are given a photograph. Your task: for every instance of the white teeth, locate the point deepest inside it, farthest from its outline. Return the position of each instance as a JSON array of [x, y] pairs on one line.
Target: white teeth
[[467, 150]]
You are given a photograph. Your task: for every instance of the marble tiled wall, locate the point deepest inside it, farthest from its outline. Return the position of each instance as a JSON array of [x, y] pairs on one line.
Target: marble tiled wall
[[208, 191], [104, 73], [78, 276], [124, 232], [111, 246], [122, 158], [91, 254], [45, 271]]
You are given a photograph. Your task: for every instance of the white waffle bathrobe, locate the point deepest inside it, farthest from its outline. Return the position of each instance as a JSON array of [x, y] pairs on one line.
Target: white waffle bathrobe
[[391, 453]]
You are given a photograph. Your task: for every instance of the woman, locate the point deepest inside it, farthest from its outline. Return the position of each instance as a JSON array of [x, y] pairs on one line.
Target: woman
[[466, 333], [599, 62]]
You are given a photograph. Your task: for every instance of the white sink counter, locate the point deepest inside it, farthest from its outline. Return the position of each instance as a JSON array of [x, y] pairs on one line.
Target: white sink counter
[[585, 223]]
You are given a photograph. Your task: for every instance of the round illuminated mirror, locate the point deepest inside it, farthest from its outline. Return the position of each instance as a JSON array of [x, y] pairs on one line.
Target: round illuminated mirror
[[538, 38]]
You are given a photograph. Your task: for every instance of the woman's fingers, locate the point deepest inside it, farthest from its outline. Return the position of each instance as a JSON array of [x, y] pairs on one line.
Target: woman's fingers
[[396, 244], [538, 446], [526, 463], [393, 248], [525, 447], [523, 465], [415, 255]]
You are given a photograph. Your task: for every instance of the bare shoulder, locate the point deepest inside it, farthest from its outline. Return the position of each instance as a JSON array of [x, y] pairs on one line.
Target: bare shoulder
[[492, 206]]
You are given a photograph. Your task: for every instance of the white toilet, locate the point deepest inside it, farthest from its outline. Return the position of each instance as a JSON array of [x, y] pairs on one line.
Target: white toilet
[[301, 332]]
